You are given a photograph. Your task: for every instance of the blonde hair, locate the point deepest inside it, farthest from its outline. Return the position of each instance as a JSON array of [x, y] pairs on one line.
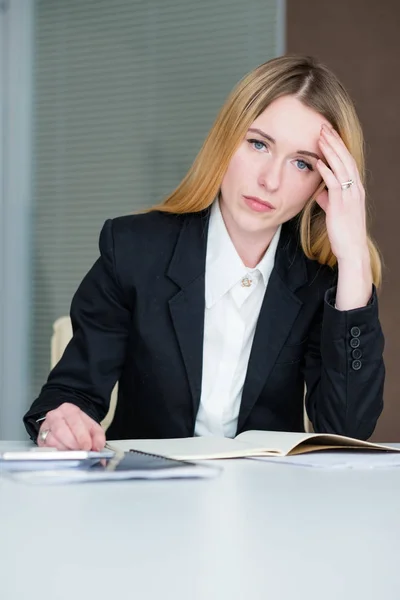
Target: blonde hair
[[316, 87]]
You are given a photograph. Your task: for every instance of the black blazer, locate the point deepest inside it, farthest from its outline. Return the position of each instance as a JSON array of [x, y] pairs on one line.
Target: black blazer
[[138, 317]]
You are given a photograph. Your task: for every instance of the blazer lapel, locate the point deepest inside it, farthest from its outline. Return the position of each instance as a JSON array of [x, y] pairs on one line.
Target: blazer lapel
[[278, 312], [187, 269]]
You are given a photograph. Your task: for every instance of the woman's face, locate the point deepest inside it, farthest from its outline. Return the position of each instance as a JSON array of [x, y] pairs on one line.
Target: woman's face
[[273, 172]]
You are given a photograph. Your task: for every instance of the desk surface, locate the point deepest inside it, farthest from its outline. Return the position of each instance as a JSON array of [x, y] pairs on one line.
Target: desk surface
[[260, 531]]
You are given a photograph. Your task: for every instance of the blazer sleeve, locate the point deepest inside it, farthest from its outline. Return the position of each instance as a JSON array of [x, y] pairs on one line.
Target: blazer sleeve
[[94, 358], [344, 370]]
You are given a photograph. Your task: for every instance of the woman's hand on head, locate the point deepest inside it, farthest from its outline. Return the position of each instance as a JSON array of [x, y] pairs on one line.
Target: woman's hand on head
[[69, 428], [344, 208]]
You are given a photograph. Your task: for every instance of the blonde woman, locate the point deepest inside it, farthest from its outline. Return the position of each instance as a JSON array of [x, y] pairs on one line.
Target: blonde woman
[[253, 281]]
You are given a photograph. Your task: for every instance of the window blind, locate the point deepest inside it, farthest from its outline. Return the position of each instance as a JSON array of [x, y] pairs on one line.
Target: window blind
[[125, 93]]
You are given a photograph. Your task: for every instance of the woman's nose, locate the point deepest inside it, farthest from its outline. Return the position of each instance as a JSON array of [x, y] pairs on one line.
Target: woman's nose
[[270, 176]]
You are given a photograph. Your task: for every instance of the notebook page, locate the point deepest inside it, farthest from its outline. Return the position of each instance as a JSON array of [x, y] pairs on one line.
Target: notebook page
[[193, 448], [273, 441], [297, 443]]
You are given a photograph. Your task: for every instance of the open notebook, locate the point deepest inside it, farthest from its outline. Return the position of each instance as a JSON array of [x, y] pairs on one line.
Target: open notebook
[[249, 443]]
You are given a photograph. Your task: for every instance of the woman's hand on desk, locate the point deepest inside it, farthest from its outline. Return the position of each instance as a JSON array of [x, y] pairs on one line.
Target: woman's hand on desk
[[69, 428]]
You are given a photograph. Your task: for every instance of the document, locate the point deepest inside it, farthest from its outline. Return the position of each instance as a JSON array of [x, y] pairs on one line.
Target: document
[[130, 465], [248, 444], [333, 459]]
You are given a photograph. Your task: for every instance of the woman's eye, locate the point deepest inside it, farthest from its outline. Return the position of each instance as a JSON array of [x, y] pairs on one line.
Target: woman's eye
[[303, 166], [258, 145]]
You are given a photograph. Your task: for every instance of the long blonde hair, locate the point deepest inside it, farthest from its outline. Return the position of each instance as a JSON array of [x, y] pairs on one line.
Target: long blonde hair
[[318, 88]]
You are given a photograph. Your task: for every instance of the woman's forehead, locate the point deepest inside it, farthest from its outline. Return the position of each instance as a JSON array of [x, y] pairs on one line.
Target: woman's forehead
[[287, 118]]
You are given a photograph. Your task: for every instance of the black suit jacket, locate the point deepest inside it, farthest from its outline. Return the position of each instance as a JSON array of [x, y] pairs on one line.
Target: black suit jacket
[[138, 317]]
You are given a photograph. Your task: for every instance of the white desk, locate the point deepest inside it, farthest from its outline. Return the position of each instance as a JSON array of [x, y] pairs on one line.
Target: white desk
[[258, 532]]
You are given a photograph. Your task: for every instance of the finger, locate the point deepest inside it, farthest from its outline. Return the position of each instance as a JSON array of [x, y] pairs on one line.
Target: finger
[[62, 431], [334, 161], [55, 421], [348, 158], [334, 141], [52, 441], [79, 430], [96, 431], [45, 428], [331, 181], [99, 439]]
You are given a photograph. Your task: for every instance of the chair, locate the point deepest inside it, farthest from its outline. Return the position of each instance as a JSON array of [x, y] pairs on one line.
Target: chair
[[62, 333], [308, 428]]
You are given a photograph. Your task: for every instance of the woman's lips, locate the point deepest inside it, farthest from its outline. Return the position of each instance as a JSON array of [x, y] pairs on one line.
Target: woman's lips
[[257, 204]]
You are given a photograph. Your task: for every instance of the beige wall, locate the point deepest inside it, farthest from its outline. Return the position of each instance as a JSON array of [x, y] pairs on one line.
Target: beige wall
[[360, 41]]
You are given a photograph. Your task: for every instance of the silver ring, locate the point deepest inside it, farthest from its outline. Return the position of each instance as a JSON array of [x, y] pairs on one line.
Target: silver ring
[[43, 435], [347, 184]]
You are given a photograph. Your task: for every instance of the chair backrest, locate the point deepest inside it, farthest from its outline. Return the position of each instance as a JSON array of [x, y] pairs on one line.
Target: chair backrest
[[62, 333], [308, 428]]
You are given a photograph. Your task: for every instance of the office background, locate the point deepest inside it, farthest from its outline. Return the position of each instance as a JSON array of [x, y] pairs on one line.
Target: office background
[[104, 104]]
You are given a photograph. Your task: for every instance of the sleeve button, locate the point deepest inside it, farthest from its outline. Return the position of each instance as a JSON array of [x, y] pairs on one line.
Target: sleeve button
[[355, 332], [354, 342], [356, 364], [356, 353]]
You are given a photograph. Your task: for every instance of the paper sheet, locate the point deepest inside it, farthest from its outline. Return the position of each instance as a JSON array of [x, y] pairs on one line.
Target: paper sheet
[[334, 459]]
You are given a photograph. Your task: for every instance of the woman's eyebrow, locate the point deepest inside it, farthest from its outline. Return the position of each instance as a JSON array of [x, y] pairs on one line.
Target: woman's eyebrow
[[265, 135], [271, 139], [307, 153]]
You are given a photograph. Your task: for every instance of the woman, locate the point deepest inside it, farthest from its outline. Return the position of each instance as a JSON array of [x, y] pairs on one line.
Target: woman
[[253, 280]]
